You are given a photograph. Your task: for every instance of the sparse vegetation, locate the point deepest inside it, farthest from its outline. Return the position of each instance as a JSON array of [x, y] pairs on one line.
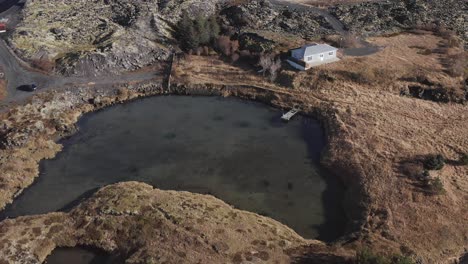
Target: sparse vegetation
[[436, 186], [464, 159], [425, 176], [366, 256], [457, 64], [270, 65], [434, 162]]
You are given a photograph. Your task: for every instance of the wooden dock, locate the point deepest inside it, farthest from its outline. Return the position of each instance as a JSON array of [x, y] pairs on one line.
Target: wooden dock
[[290, 114]]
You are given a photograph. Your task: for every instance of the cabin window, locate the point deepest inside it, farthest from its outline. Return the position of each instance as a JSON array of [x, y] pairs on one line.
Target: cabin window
[[330, 53], [309, 58], [321, 55]]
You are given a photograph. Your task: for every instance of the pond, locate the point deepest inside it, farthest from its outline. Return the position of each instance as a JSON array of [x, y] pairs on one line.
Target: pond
[[235, 150], [81, 255]]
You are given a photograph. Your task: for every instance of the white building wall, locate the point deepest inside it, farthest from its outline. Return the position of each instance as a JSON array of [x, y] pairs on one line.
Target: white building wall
[[296, 66]]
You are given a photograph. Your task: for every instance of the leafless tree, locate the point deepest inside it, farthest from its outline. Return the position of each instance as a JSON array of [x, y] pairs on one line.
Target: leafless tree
[[224, 45], [265, 61], [235, 57], [227, 46], [269, 65], [274, 68]]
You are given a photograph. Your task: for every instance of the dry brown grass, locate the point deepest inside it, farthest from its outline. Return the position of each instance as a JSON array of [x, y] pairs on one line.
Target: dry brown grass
[[403, 56], [201, 70], [3, 86]]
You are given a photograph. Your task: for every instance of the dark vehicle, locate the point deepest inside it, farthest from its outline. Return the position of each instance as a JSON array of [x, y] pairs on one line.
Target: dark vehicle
[[28, 87]]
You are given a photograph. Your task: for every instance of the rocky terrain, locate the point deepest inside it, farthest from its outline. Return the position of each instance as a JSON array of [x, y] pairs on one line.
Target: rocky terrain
[[254, 18], [375, 18], [147, 225], [99, 37], [95, 38]]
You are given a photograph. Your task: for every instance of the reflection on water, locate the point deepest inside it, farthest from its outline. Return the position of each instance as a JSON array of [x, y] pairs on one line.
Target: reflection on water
[[237, 151]]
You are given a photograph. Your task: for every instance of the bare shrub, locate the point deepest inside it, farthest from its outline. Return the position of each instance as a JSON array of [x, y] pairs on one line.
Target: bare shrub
[[350, 40], [270, 65], [453, 41], [224, 45], [457, 64], [206, 51], [199, 51], [442, 31], [274, 68], [234, 45], [265, 61], [235, 57], [227, 46], [425, 52]]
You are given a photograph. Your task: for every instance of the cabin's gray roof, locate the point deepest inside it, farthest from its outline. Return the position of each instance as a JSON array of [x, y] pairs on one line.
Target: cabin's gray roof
[[313, 49]]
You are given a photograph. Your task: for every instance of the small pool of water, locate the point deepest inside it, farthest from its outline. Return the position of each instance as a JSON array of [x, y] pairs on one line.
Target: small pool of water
[[80, 255], [235, 150]]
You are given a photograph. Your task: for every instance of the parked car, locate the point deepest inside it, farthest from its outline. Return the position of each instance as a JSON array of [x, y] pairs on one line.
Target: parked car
[[28, 87]]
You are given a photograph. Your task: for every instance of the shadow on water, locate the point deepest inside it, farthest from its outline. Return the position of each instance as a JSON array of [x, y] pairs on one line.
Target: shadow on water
[[335, 221], [79, 200]]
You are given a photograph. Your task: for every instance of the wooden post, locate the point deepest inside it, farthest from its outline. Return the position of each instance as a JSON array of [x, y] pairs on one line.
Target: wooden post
[[170, 71]]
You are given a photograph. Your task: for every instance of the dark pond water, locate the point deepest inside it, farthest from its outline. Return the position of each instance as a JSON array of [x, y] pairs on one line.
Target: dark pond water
[[237, 151], [80, 255]]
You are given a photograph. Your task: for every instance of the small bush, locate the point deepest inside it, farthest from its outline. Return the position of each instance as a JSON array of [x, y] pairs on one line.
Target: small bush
[[424, 176], [434, 162], [464, 159], [437, 187], [425, 52], [366, 256], [457, 64]]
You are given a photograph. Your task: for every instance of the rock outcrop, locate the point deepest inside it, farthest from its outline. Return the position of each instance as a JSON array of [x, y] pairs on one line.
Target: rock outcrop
[[252, 18], [374, 18], [100, 37]]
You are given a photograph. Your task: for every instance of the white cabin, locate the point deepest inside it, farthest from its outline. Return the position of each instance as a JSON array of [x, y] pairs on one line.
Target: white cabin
[[312, 55]]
